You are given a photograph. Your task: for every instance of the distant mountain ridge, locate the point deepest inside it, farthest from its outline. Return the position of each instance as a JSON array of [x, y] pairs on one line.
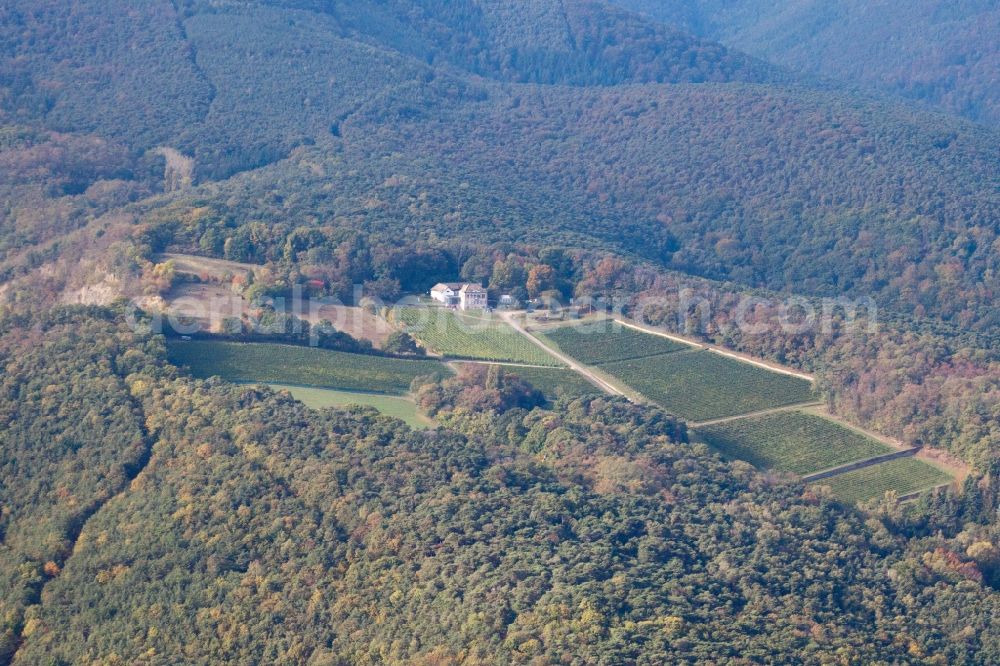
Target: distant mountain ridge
[[187, 76], [944, 54]]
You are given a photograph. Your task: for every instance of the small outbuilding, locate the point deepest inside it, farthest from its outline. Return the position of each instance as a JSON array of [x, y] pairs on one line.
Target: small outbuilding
[[446, 292]]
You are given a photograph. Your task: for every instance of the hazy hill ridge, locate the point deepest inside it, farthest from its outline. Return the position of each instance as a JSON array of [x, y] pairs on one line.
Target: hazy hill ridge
[[944, 54]]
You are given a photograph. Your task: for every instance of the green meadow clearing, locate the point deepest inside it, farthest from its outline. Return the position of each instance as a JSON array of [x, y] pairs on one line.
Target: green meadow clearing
[[401, 408]]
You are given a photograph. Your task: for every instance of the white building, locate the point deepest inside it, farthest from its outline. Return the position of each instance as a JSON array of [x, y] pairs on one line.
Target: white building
[[472, 297], [466, 296], [446, 292]]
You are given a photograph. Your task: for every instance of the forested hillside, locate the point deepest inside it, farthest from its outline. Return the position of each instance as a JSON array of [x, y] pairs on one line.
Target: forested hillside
[[225, 84], [51, 183], [771, 187], [260, 531], [662, 149], [943, 54], [72, 438]]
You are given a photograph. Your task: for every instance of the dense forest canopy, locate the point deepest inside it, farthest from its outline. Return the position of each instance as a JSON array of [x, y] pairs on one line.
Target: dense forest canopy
[[254, 529], [547, 149], [223, 81]]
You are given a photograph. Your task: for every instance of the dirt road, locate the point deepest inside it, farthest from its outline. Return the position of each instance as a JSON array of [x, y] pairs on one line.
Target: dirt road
[[512, 321], [763, 412]]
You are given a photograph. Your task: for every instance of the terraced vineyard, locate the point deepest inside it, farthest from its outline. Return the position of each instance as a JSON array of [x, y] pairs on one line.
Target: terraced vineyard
[[608, 341], [307, 366], [903, 475], [553, 381], [467, 336], [703, 385], [700, 385], [791, 442]]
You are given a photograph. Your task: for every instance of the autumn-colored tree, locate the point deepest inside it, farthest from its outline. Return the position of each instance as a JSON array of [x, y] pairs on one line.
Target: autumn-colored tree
[[541, 277]]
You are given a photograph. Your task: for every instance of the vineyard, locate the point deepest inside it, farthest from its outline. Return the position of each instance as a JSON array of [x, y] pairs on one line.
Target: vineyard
[[608, 341], [791, 442], [903, 475], [307, 366], [459, 335], [554, 382], [702, 385]]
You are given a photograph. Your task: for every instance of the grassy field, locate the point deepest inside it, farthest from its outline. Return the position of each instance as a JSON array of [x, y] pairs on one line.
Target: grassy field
[[607, 341], [702, 385], [791, 442], [403, 409], [216, 269], [287, 364], [551, 381], [460, 335], [904, 475]]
